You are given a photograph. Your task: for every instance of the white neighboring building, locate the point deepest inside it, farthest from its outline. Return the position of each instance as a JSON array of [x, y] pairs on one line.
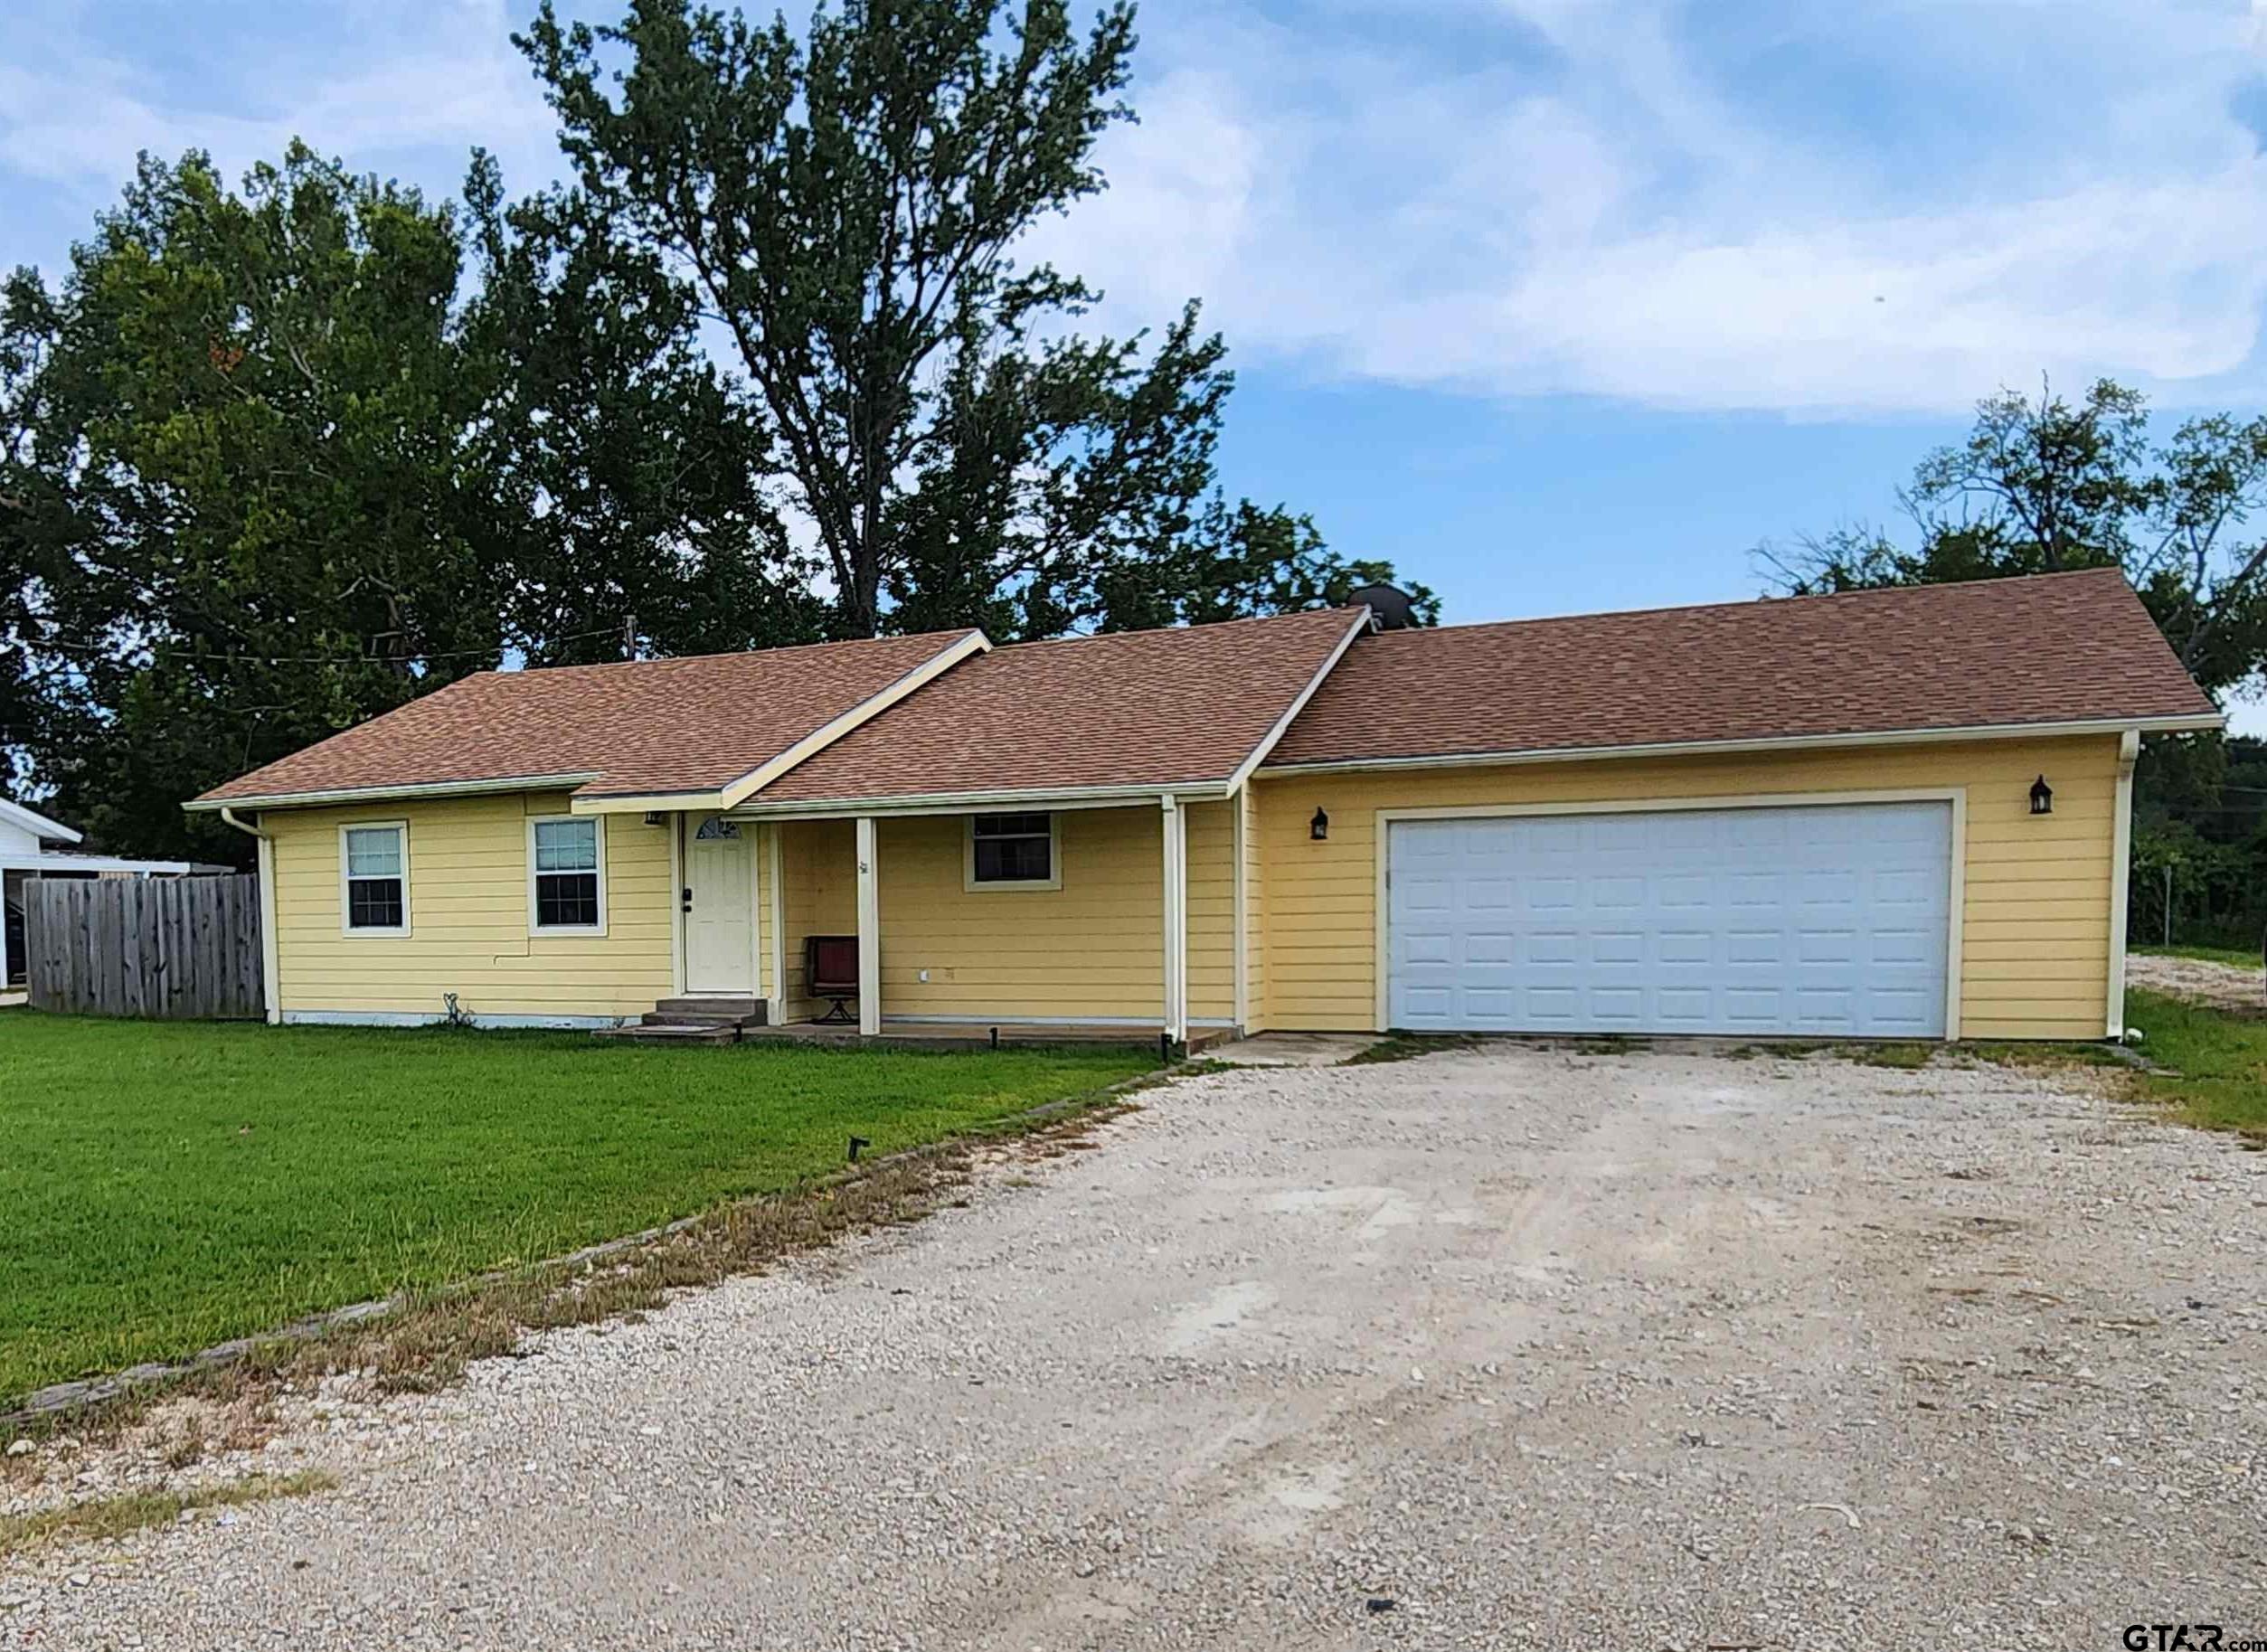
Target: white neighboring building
[[33, 846]]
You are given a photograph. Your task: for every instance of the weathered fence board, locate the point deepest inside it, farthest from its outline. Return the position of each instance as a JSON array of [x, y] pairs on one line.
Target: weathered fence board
[[174, 948]]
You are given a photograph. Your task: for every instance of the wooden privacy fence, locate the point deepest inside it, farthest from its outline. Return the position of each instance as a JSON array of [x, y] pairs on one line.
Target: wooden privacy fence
[[180, 949]]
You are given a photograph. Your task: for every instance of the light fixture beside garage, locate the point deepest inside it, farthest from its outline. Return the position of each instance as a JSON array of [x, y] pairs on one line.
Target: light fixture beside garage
[[2042, 797], [1318, 828]]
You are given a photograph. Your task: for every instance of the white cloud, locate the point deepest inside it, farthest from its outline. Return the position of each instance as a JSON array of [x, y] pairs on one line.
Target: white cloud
[[1780, 204], [1610, 215], [405, 96]]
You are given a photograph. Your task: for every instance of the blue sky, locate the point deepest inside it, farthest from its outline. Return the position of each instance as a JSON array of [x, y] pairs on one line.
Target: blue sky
[[1561, 304]]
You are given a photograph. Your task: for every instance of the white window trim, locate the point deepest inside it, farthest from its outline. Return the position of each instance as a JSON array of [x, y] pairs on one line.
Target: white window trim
[[345, 905], [536, 930], [1012, 886]]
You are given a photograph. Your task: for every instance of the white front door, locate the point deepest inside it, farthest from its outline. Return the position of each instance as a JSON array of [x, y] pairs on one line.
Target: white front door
[[720, 929]]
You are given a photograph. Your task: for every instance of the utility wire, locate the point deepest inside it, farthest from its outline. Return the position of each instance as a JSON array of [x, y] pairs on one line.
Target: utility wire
[[111, 651]]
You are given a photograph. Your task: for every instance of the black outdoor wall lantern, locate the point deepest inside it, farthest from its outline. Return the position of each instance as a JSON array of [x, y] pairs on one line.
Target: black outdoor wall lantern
[[2042, 797], [1318, 828]]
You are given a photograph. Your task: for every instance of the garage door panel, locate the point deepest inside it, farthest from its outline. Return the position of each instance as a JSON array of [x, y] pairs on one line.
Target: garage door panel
[[1830, 919], [1755, 946], [1547, 894], [1489, 947], [1826, 945]]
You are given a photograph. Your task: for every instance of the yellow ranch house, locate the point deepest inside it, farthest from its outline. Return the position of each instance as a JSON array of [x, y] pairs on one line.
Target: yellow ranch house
[[1889, 814]]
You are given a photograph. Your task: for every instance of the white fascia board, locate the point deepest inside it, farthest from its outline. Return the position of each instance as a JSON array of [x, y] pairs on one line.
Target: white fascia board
[[1273, 737], [984, 802], [732, 793], [383, 794], [100, 862], [37, 824], [865, 711], [1804, 743], [647, 802]]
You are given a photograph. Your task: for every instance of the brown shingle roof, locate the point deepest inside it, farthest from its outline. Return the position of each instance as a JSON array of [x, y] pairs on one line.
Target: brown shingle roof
[[1133, 708], [2050, 648], [646, 726]]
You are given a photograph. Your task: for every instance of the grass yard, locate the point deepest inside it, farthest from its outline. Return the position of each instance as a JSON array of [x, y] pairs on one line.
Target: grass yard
[[2218, 1060], [164, 1186]]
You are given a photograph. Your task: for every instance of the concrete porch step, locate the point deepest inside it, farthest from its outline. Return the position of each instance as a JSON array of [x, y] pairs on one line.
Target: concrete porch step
[[691, 1033], [707, 1010]]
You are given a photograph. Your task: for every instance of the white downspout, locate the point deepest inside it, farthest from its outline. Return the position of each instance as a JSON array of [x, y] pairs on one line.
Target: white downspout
[[2120, 875], [271, 974]]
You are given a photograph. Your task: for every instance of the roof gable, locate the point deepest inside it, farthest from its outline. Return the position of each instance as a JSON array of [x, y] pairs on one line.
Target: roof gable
[[1190, 706], [2050, 648], [688, 728]]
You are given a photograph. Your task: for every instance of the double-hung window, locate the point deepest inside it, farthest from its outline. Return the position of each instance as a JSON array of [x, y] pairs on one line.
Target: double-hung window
[[374, 878], [566, 873], [1013, 852]]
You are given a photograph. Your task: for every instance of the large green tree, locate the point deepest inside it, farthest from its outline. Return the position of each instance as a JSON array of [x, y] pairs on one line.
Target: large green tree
[[626, 481], [272, 466], [278, 458], [846, 203], [250, 409], [2045, 484]]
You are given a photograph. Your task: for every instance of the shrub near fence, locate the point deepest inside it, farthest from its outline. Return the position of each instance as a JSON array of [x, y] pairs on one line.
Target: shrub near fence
[[171, 949]]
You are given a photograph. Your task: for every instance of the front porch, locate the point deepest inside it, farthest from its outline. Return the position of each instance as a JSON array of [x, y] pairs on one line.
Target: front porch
[[932, 1035], [1083, 922]]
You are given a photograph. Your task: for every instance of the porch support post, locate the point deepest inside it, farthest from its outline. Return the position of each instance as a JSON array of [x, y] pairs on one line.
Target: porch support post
[[1176, 918], [775, 896], [869, 931]]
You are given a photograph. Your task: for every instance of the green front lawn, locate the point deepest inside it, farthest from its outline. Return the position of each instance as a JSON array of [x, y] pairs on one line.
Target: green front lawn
[[2217, 1062], [164, 1186]]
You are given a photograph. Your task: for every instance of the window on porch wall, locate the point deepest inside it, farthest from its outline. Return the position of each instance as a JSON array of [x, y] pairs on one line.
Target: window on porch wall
[[1012, 849]]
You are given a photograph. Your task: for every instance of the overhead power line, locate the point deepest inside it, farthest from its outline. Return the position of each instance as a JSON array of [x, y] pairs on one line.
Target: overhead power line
[[111, 651]]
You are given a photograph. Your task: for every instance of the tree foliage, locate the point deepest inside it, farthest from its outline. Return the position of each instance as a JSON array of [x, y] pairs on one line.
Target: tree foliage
[[2047, 484], [271, 471], [249, 412], [626, 480], [275, 459], [846, 204]]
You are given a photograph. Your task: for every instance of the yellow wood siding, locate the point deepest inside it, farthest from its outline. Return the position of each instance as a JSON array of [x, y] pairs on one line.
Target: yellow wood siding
[[2035, 954], [468, 918], [1211, 910], [1255, 915], [819, 873], [1093, 948]]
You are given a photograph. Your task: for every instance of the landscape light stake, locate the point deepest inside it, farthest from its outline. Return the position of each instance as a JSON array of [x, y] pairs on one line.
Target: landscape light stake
[[857, 1142]]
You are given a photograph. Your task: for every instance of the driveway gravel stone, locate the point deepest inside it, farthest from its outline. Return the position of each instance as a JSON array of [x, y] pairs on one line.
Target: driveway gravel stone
[[1505, 1347], [2228, 987]]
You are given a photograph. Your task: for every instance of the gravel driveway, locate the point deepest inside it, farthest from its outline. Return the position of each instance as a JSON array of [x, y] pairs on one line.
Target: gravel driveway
[[2228, 987], [1544, 1348]]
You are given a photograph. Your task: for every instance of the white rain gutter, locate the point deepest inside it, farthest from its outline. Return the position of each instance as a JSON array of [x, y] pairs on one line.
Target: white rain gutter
[[270, 979]]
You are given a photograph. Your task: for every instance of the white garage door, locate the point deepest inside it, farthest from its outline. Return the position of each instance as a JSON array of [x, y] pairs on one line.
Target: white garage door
[[1826, 920]]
